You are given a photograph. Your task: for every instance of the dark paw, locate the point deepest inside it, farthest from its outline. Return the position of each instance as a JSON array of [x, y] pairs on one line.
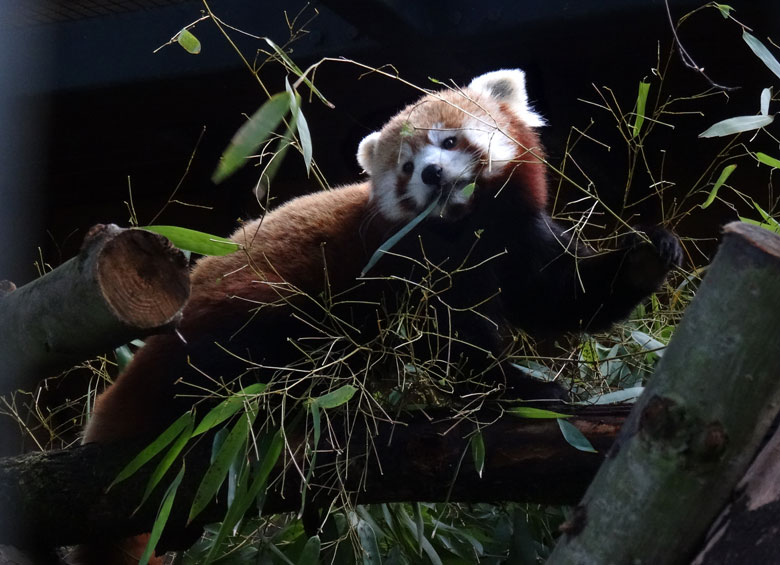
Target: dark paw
[[665, 244]]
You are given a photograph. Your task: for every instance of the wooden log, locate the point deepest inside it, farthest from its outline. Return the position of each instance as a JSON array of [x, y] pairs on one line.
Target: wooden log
[[60, 498], [698, 424], [124, 284]]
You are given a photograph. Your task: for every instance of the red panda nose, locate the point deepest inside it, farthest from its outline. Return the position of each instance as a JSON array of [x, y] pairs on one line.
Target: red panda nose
[[431, 175]]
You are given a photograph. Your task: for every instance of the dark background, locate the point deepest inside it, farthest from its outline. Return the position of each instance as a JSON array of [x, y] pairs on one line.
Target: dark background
[[87, 109], [92, 110]]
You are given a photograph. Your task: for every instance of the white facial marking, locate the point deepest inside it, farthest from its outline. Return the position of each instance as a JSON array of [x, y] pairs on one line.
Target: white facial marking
[[497, 147]]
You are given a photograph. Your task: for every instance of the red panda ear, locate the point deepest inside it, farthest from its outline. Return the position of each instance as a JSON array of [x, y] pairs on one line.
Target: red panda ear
[[365, 154], [508, 86]]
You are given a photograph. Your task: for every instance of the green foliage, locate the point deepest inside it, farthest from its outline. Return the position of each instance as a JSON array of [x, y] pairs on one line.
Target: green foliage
[[195, 241]]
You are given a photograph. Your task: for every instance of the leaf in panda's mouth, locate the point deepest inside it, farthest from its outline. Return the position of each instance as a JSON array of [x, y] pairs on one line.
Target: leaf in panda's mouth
[[391, 241], [468, 190]]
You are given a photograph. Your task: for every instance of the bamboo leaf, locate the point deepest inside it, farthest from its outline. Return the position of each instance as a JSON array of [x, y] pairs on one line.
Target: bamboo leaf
[[188, 41], [767, 160], [166, 462], [310, 554], [123, 357], [369, 544], [225, 409], [251, 135], [625, 395], [725, 10], [766, 96], [387, 245], [468, 190], [162, 517], [762, 53], [737, 125], [241, 504], [641, 102], [478, 452], [336, 398], [574, 437], [648, 342], [217, 471], [163, 440], [535, 413], [295, 69], [195, 241], [304, 135], [724, 175], [418, 518]]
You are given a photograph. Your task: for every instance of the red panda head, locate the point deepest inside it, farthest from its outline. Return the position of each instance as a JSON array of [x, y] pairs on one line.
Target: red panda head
[[437, 147]]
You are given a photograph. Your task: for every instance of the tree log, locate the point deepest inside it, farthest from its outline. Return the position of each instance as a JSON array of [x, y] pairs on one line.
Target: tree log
[[747, 530], [697, 426], [124, 284], [60, 498]]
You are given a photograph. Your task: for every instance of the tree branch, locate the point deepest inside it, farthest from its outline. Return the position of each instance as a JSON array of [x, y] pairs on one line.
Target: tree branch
[[59, 497]]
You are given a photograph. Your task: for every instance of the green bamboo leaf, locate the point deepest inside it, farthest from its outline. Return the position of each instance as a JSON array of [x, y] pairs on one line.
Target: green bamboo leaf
[[163, 440], [217, 471], [725, 10], [468, 190], [166, 462], [737, 125], [188, 41], [310, 554], [418, 519], [195, 241], [768, 223], [123, 357], [767, 160], [387, 245], [641, 103], [251, 135], [771, 227], [300, 123], [535, 413], [225, 409], [762, 53], [162, 517], [295, 69], [240, 505], [724, 175], [574, 437], [478, 452], [336, 398], [314, 408]]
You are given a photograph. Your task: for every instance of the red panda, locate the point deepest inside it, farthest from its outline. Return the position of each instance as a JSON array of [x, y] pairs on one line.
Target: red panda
[[472, 158]]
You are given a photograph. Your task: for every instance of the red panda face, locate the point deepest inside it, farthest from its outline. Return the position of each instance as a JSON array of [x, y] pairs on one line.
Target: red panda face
[[452, 146]]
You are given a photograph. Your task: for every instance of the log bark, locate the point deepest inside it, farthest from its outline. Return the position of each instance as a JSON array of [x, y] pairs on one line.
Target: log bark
[[698, 424], [60, 498], [747, 531], [124, 284]]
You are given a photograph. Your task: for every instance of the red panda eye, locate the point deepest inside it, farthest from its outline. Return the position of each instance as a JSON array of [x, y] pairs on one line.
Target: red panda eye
[[408, 167], [449, 143]]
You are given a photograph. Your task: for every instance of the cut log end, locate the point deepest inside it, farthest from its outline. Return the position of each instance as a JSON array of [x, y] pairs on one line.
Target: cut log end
[[760, 238], [143, 278]]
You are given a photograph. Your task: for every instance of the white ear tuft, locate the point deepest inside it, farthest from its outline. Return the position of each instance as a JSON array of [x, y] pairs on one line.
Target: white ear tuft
[[365, 151], [508, 85]]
